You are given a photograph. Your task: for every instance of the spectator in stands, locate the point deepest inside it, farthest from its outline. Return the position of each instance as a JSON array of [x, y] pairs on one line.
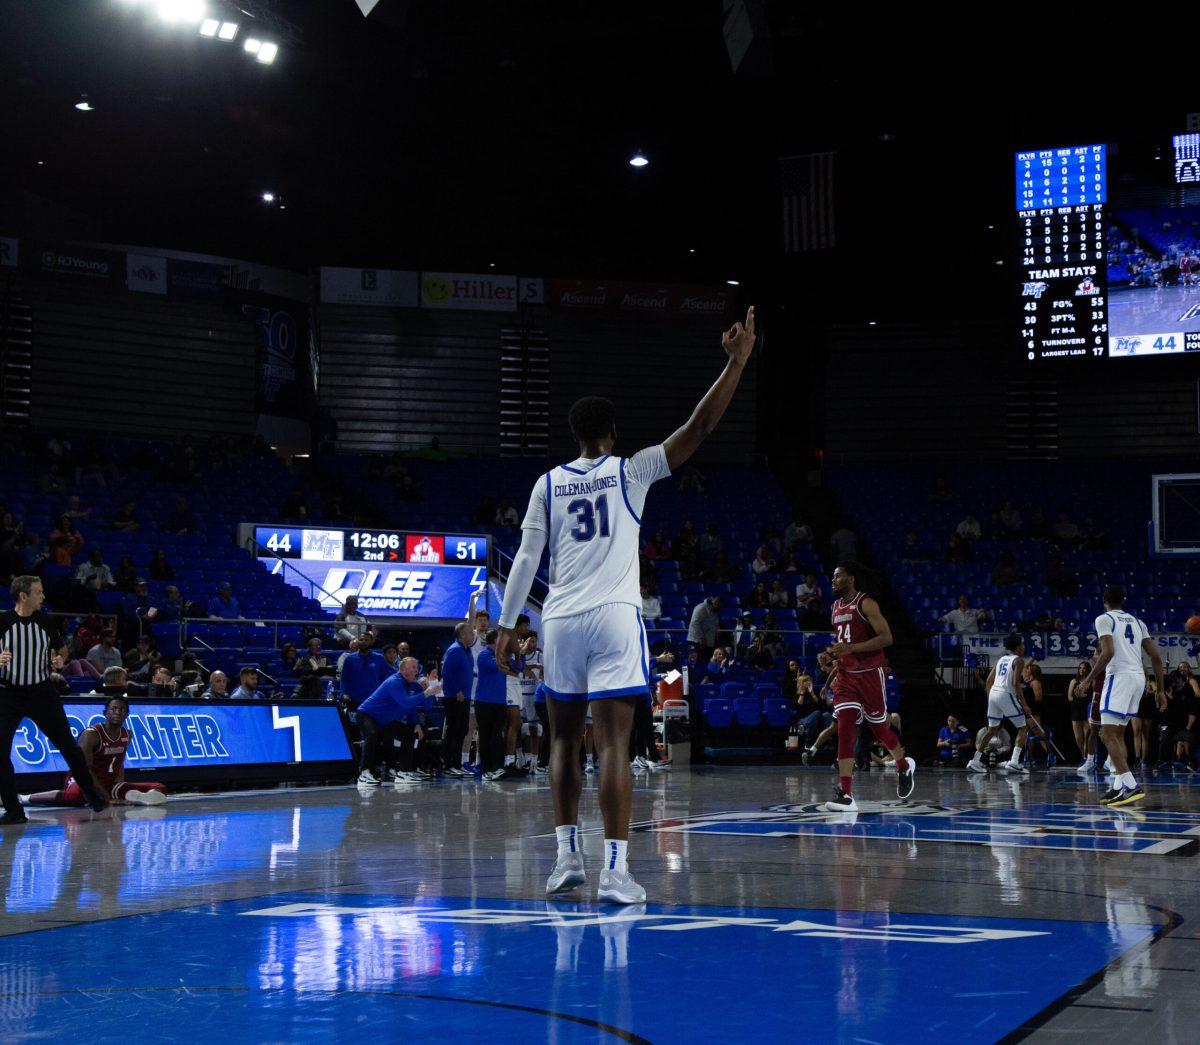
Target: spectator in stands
[[1010, 518], [913, 551], [757, 597], [75, 508], [86, 635], [161, 685], [656, 547], [1065, 532], [941, 493], [223, 605], [721, 570], [651, 604], [797, 532], [182, 521], [391, 656], [1059, 578], [964, 619], [958, 549], [744, 630], [138, 603], [770, 634], [247, 685], [289, 657], [160, 569], [65, 541], [710, 541], [363, 669], [815, 711], [125, 519], [762, 561], [758, 656], [969, 529], [350, 623], [114, 682], [772, 538], [777, 597], [704, 625], [1000, 744], [718, 666], [125, 577], [844, 543], [808, 602], [141, 654], [314, 662], [172, 609], [31, 555], [954, 743], [790, 565], [506, 514], [686, 550], [94, 575], [218, 687], [692, 670], [791, 681], [104, 654], [1007, 571]]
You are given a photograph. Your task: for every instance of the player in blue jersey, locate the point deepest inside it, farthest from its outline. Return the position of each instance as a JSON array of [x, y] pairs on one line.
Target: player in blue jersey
[[589, 513]]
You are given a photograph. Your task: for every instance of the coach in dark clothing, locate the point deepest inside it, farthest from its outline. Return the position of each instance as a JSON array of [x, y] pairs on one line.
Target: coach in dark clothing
[[28, 641], [363, 671]]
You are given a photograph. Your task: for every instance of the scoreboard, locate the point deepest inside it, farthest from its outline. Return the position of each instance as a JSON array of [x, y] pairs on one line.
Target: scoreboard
[[1073, 305], [393, 573], [1060, 200]]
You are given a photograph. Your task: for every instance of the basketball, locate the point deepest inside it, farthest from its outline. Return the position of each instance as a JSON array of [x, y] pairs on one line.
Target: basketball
[[1193, 624]]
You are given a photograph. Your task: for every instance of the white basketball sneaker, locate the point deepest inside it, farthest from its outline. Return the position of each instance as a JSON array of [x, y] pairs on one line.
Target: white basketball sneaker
[[568, 874], [145, 798], [618, 887]]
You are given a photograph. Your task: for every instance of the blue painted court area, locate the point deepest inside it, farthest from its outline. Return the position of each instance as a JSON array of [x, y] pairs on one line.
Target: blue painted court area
[[1042, 826], [325, 967]]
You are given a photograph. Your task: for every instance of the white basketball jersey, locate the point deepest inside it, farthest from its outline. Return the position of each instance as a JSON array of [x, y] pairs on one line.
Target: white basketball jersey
[[591, 512], [1127, 634], [1005, 682]]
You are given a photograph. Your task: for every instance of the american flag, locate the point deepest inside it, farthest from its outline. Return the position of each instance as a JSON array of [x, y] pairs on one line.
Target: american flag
[[806, 188]]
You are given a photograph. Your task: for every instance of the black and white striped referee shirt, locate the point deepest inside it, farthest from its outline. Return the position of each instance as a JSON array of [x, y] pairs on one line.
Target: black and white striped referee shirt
[[32, 641]]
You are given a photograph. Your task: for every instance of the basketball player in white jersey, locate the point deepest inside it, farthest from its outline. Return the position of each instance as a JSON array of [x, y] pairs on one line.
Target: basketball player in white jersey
[[1122, 639], [1005, 702], [589, 512]]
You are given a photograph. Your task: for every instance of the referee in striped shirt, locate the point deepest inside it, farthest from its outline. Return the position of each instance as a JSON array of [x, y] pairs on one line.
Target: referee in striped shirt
[[29, 640]]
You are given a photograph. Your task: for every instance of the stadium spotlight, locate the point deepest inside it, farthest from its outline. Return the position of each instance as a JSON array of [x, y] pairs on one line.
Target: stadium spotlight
[[83, 105], [268, 197], [266, 53], [228, 31], [734, 282], [209, 27], [638, 159], [252, 45], [190, 11]]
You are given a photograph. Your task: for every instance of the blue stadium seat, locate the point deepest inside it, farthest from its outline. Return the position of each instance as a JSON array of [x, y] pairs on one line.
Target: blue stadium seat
[[748, 712], [718, 713], [734, 690], [776, 713]]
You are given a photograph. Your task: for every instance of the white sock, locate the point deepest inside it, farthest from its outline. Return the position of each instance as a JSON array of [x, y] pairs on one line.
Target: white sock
[[1128, 780], [568, 841], [616, 854]]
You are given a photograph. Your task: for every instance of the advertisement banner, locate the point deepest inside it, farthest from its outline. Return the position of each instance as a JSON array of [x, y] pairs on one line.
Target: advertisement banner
[[614, 296], [389, 288], [282, 334], [8, 251], [1057, 653], [531, 290], [400, 590], [465, 290], [146, 273], [197, 279], [86, 264], [197, 733]]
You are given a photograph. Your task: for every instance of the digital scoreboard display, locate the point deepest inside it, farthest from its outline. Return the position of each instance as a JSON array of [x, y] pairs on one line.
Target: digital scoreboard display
[[394, 573], [1095, 281]]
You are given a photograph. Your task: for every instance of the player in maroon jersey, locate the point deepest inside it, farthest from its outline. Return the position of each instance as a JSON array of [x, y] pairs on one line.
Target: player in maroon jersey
[[104, 746], [861, 634]]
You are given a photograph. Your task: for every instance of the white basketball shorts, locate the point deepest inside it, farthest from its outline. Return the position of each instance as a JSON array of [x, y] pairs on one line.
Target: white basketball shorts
[[1002, 706], [596, 654], [1120, 698]]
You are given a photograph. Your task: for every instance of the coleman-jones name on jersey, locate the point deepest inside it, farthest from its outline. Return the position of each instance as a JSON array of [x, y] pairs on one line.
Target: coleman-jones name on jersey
[[607, 482]]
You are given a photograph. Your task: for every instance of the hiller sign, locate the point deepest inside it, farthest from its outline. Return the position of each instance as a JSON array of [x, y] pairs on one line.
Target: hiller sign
[[465, 290]]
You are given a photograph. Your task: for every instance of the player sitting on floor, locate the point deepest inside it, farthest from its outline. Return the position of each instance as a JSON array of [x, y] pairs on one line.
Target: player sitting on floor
[[104, 745]]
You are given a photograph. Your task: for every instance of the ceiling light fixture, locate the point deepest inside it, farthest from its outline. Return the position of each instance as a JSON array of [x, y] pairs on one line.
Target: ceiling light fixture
[[228, 31], [266, 53], [733, 282], [268, 197], [187, 11], [252, 45], [638, 159], [209, 27], [83, 105]]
